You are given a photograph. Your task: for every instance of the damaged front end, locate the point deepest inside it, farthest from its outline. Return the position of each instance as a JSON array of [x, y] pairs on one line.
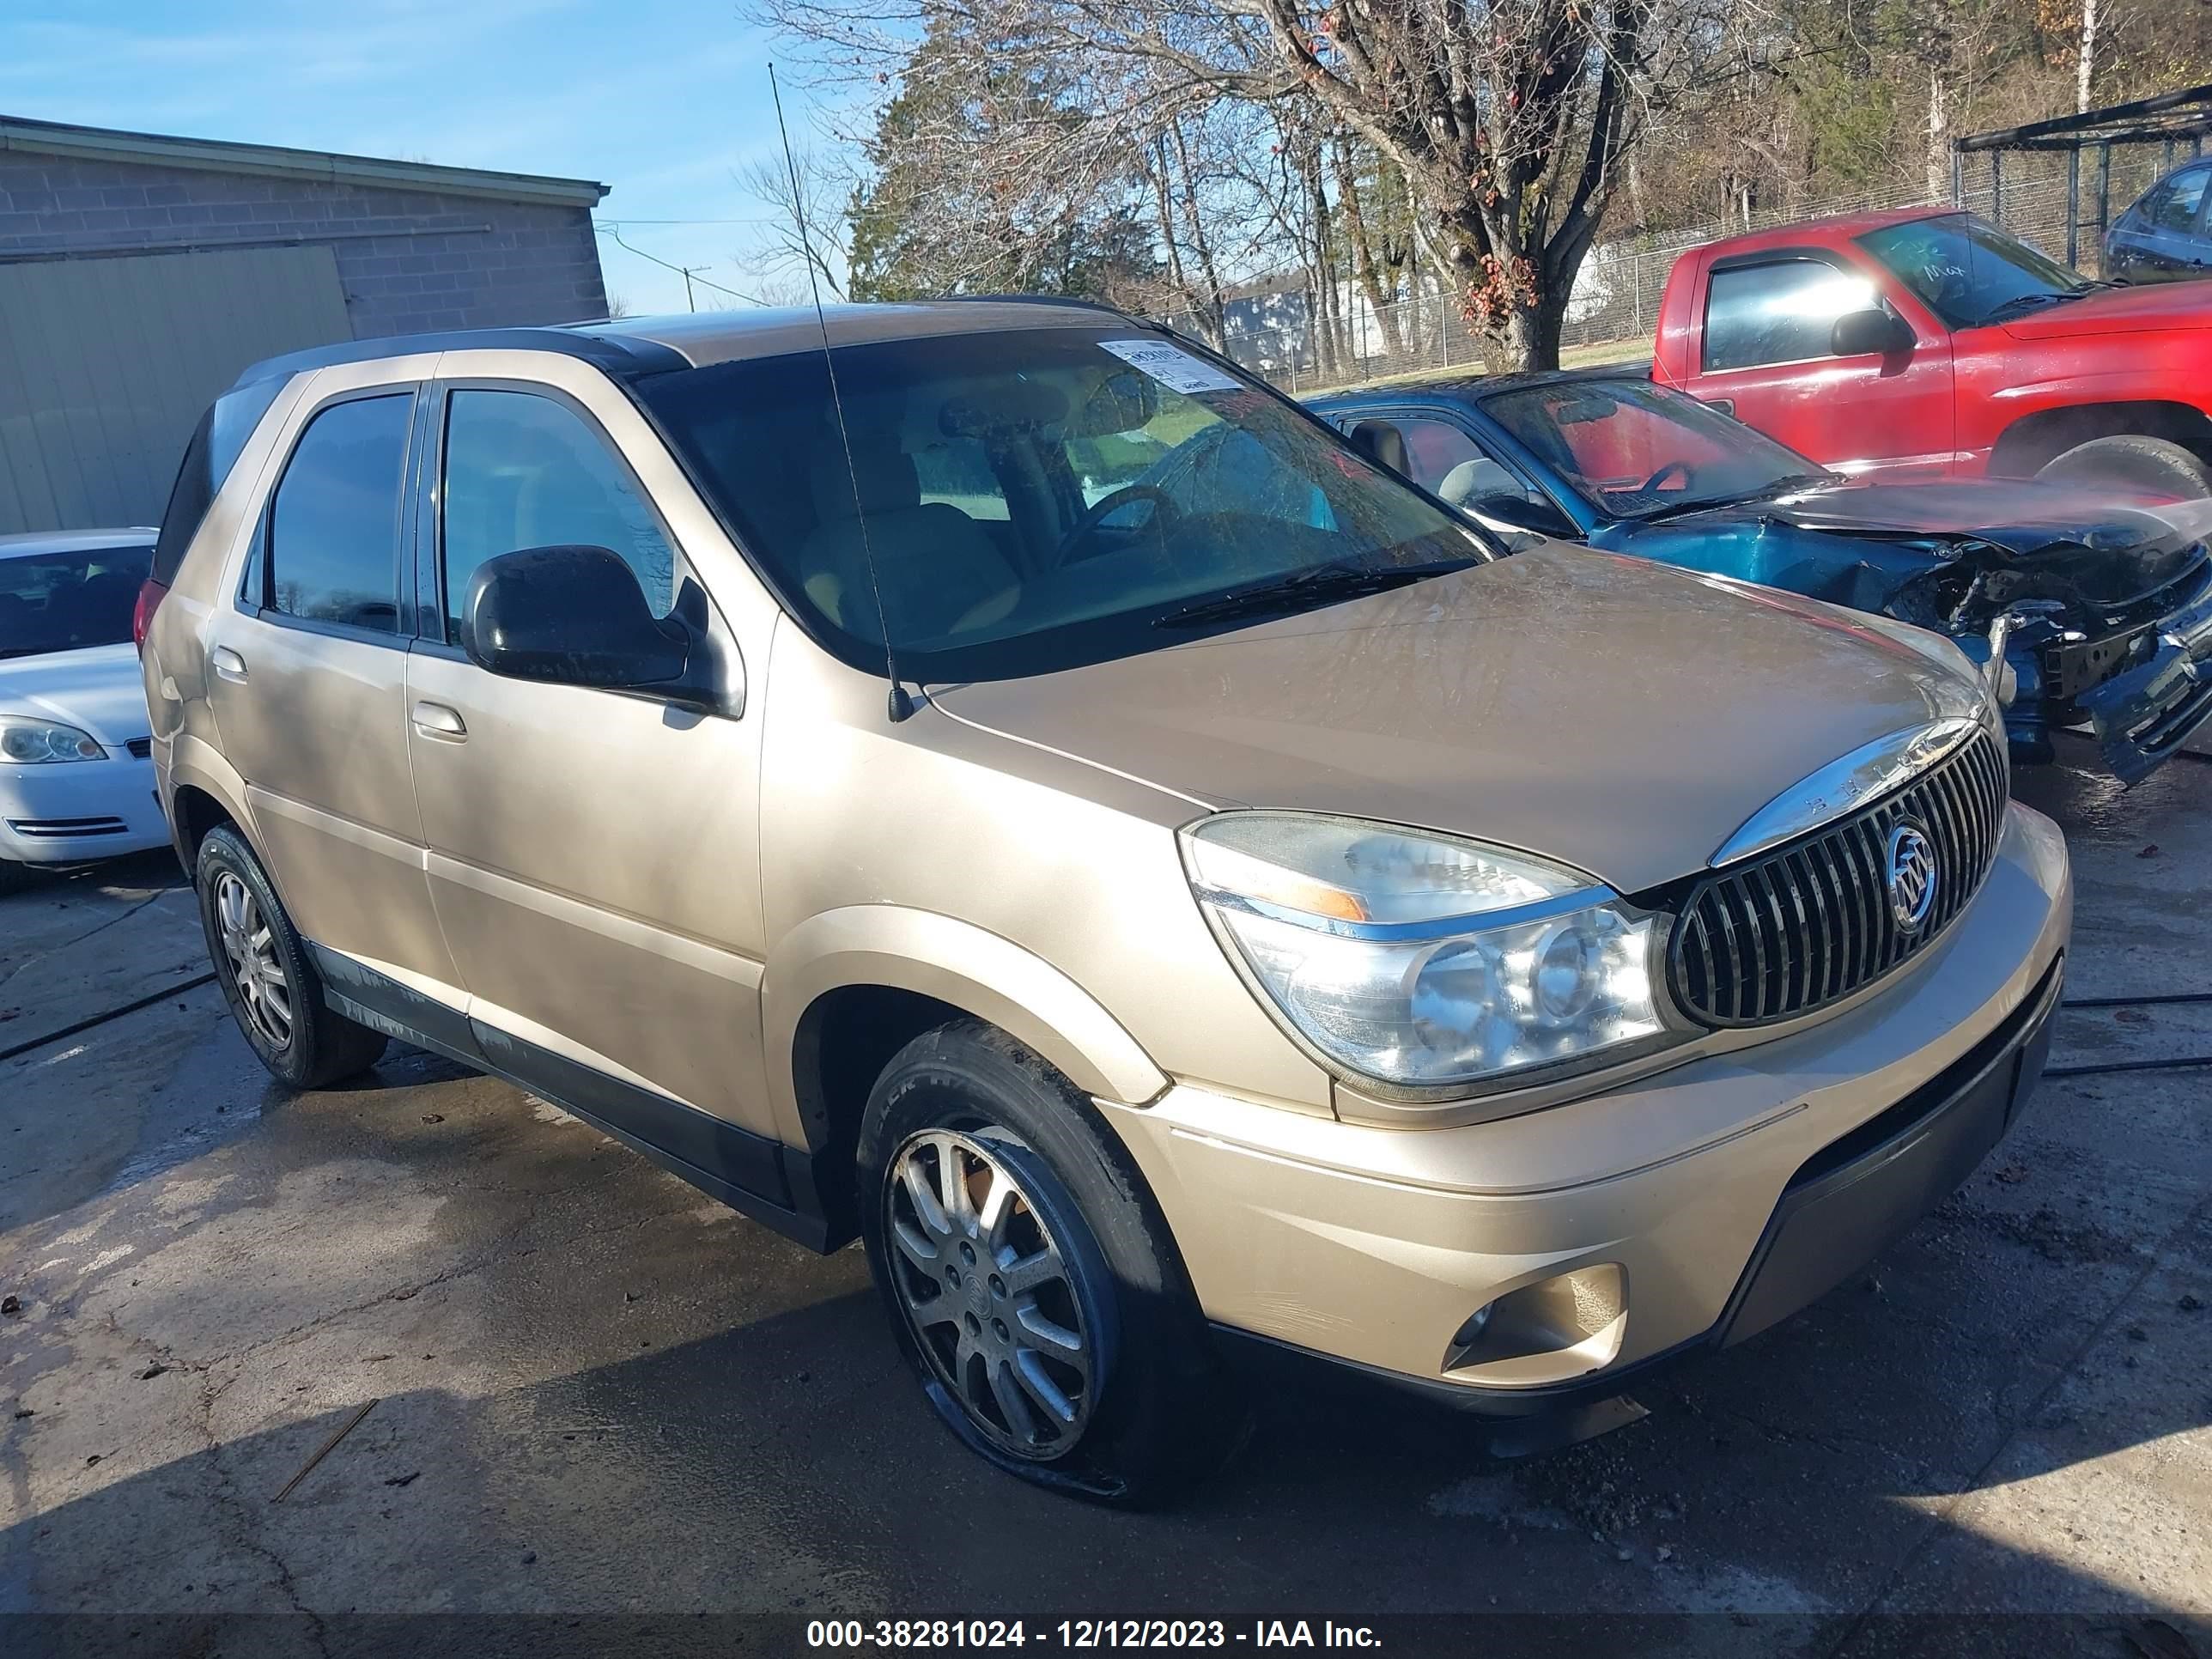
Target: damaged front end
[[2106, 607], [2116, 636]]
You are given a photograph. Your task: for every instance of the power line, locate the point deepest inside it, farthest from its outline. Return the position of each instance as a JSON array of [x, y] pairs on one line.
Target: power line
[[689, 273]]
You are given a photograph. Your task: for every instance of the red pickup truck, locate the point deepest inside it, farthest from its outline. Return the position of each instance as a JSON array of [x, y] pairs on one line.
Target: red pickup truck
[[1928, 343]]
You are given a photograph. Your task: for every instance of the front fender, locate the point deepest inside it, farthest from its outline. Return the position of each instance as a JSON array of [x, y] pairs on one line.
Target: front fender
[[955, 962]]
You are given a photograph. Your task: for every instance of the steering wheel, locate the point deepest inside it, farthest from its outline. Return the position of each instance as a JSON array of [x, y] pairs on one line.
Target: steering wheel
[[1163, 508], [1660, 476]]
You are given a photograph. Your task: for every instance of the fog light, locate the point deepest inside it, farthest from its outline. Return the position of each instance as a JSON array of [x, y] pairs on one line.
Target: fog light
[[1553, 1330], [1475, 1323]]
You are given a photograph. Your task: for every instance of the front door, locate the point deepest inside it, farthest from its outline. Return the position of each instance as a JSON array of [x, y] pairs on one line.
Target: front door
[[594, 856], [308, 669], [1765, 357]]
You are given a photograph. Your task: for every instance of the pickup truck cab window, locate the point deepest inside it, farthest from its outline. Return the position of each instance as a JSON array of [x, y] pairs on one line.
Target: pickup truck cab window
[[1781, 311]]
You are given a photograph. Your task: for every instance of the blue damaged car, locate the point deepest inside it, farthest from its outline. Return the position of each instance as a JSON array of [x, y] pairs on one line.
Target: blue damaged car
[[2099, 601]]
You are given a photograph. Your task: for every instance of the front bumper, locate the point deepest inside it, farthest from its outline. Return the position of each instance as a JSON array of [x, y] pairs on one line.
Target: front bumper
[[1695, 1205], [76, 811], [2144, 713]]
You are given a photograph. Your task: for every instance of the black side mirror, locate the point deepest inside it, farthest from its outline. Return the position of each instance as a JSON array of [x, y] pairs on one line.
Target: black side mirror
[[1857, 333], [575, 615]]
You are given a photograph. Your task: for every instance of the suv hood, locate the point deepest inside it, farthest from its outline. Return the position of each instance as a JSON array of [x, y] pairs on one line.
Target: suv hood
[[1614, 713], [2117, 311], [98, 689], [2016, 512]]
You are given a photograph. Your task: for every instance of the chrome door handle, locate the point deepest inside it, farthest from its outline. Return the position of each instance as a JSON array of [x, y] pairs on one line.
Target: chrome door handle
[[227, 664], [1726, 405], [435, 720]]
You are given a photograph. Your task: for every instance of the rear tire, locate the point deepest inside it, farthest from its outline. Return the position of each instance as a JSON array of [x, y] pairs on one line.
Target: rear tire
[[266, 974], [1099, 1381], [2153, 466]]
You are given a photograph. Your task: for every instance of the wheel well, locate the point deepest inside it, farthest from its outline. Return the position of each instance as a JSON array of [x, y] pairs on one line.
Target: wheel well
[[2033, 440], [845, 1039], [196, 812]]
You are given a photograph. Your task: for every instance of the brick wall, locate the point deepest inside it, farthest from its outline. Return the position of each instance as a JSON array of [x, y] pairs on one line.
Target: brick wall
[[408, 260]]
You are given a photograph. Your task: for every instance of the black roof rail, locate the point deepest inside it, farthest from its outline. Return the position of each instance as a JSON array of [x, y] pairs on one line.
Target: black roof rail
[[1073, 300], [622, 355]]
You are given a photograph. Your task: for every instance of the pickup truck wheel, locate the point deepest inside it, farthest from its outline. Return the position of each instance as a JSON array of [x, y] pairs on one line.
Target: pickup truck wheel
[[2152, 466], [272, 988], [1034, 1288]]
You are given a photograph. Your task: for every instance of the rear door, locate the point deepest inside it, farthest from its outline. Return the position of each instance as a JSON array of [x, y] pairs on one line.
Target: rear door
[[307, 673], [1763, 354]]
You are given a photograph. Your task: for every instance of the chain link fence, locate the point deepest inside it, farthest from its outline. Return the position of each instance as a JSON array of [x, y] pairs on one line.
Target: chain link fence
[[1293, 339]]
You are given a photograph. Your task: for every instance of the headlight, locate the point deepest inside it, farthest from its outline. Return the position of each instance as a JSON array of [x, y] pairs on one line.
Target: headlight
[[1419, 960], [26, 740]]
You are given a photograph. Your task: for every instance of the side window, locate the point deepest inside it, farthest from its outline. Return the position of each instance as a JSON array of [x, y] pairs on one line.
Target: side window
[[208, 457], [1781, 312], [523, 470], [2179, 199], [1445, 460], [333, 544], [1433, 448]]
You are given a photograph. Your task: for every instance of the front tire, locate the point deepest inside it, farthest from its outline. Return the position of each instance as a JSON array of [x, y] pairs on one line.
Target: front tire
[[2153, 466], [1034, 1287], [267, 977]]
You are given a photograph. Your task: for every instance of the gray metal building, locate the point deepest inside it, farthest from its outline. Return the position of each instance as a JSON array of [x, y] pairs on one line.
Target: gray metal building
[[139, 273]]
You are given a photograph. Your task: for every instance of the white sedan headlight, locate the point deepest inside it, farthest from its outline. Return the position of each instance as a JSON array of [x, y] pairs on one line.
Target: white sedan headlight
[[1419, 960], [24, 741]]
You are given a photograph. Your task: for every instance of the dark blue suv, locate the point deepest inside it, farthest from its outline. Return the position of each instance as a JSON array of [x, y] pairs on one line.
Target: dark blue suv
[[2164, 237]]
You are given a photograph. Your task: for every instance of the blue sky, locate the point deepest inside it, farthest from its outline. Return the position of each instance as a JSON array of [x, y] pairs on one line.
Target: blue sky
[[661, 99]]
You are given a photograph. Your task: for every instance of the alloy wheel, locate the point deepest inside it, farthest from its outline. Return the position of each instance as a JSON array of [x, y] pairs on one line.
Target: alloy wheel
[[249, 945], [988, 1294]]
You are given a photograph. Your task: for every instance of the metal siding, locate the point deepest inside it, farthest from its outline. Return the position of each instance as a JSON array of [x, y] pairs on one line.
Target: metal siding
[[105, 364]]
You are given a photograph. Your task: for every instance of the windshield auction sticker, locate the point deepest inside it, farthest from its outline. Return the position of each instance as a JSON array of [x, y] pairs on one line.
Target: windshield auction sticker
[[1172, 366]]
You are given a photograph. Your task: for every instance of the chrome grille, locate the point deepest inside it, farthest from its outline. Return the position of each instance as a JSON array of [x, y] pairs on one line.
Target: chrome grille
[[1806, 924]]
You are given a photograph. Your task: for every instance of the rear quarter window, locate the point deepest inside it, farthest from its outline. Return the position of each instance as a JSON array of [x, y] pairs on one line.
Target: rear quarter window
[[209, 454]]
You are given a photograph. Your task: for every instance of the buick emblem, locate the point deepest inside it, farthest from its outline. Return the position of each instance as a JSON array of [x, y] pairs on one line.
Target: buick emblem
[[1909, 868]]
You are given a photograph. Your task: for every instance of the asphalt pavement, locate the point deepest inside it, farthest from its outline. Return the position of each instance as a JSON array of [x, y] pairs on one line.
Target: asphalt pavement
[[597, 1396]]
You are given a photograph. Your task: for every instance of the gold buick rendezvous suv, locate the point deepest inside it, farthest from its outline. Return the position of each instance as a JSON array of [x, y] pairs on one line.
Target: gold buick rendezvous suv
[[1043, 804]]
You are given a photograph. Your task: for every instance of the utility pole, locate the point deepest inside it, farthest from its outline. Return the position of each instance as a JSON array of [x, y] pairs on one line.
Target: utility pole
[[690, 304]]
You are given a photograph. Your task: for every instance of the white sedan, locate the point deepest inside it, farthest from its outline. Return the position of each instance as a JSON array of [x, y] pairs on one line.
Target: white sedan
[[75, 783]]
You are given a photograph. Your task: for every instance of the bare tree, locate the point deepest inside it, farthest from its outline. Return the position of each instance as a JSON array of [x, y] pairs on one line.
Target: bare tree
[[1508, 119], [826, 189], [2086, 68]]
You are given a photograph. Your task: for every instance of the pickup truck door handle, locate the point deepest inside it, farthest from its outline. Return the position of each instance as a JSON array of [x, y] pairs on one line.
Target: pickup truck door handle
[[1726, 405], [227, 665], [435, 720]]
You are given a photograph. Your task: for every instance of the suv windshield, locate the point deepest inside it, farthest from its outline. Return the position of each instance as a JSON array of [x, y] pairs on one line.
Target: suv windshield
[[67, 601], [1968, 272], [1633, 450], [1035, 499]]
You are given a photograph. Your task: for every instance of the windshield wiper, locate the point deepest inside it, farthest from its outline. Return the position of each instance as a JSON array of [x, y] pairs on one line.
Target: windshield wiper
[[1327, 584], [2030, 302], [1766, 491]]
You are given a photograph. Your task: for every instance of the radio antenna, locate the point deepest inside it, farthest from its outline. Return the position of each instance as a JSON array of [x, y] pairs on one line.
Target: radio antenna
[[902, 705]]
